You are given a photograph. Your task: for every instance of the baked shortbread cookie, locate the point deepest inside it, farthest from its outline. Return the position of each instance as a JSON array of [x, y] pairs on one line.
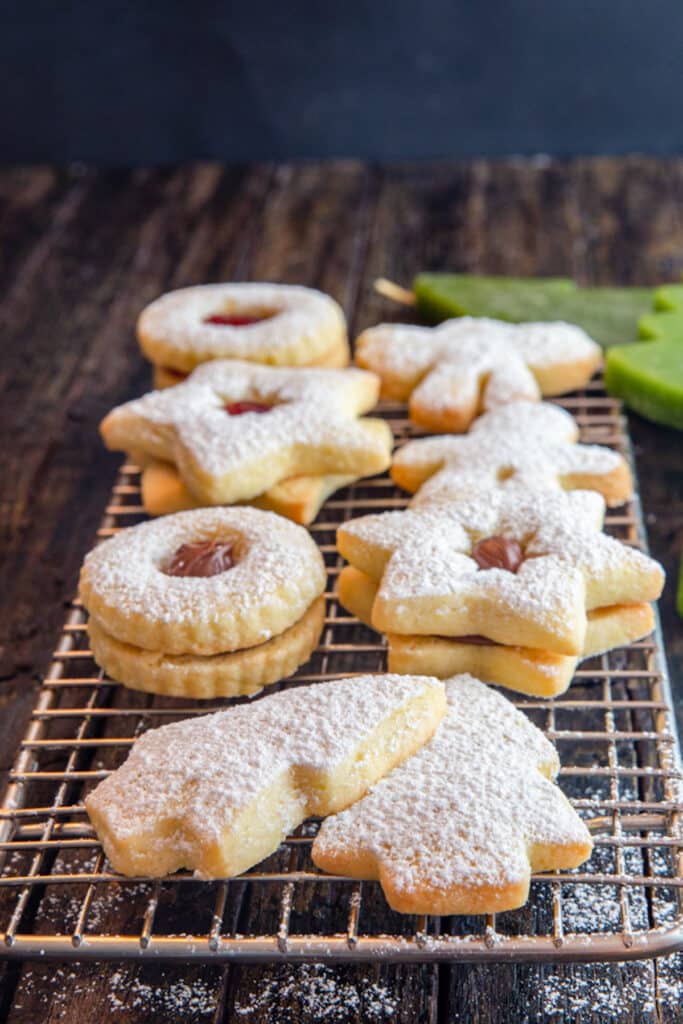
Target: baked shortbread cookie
[[234, 429], [518, 567], [212, 602], [299, 498], [466, 366], [525, 669], [274, 324], [459, 827], [531, 444], [218, 793]]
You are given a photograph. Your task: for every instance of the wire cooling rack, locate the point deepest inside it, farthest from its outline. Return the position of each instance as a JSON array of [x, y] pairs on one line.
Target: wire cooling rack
[[615, 734]]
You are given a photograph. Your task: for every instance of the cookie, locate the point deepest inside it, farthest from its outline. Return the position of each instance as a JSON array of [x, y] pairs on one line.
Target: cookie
[[530, 444], [519, 568], [459, 827], [452, 373], [218, 793], [234, 429], [299, 498], [171, 598], [274, 324], [524, 669]]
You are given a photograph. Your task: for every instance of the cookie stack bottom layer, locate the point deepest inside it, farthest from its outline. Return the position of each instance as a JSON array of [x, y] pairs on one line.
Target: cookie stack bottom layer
[[525, 669]]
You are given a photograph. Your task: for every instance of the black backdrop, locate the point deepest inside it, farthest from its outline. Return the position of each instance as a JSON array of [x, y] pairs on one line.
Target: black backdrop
[[133, 82]]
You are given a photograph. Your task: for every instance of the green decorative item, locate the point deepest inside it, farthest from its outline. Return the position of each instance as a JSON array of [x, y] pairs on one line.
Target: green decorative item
[[610, 315], [669, 297], [649, 378], [662, 326]]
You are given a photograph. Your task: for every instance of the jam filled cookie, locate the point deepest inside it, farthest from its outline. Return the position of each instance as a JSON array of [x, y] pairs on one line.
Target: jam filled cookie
[[528, 444], [213, 602], [453, 372], [235, 430], [507, 567], [218, 793], [459, 827], [275, 324]]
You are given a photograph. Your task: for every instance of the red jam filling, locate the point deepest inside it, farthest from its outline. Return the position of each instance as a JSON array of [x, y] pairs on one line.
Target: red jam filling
[[239, 408], [233, 320]]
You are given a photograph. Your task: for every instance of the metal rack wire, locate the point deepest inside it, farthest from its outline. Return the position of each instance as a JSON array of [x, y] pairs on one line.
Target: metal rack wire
[[616, 738]]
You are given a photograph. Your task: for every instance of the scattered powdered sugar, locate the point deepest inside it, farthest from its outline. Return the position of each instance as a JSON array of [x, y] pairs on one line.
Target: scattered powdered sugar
[[302, 322], [313, 410], [468, 356], [569, 567], [279, 565], [464, 809], [184, 784], [526, 443], [317, 993]]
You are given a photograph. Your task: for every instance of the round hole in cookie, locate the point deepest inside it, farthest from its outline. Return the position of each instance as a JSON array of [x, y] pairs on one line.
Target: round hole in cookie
[[202, 558]]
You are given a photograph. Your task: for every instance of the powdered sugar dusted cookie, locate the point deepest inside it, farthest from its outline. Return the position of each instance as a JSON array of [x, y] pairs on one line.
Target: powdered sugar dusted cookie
[[217, 794], [460, 826], [516, 567], [234, 429], [276, 324], [170, 600], [529, 444], [452, 372]]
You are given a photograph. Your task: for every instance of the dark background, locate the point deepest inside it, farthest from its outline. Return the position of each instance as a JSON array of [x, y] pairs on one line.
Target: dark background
[[127, 82]]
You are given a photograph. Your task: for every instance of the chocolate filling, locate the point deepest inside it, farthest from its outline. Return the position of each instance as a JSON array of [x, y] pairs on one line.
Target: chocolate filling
[[498, 553], [202, 558]]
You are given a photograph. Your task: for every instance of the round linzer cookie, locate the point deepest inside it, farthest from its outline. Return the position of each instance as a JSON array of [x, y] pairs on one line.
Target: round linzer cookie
[[451, 373], [459, 827], [276, 324], [207, 603]]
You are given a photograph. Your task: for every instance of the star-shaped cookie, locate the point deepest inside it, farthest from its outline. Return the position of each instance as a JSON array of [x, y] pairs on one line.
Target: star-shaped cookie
[[530, 444], [452, 372], [517, 567], [459, 827], [235, 429]]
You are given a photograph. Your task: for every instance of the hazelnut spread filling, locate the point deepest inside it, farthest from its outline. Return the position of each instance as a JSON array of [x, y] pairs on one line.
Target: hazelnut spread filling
[[498, 553], [239, 408], [202, 558]]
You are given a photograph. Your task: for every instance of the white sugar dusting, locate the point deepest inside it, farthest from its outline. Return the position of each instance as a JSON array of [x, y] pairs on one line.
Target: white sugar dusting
[[467, 353], [463, 810], [298, 318], [125, 573], [192, 778], [311, 408], [523, 443]]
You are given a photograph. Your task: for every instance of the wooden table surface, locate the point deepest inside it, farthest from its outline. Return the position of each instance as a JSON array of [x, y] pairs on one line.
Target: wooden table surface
[[81, 252]]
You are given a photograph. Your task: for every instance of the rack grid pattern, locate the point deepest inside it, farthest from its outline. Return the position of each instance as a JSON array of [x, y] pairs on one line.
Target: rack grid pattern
[[614, 731]]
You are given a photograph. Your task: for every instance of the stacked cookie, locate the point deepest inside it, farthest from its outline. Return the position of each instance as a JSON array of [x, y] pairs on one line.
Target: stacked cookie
[[499, 566], [272, 324], [279, 438], [209, 603]]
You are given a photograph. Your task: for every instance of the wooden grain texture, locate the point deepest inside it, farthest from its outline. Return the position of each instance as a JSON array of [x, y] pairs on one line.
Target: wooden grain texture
[[82, 252]]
